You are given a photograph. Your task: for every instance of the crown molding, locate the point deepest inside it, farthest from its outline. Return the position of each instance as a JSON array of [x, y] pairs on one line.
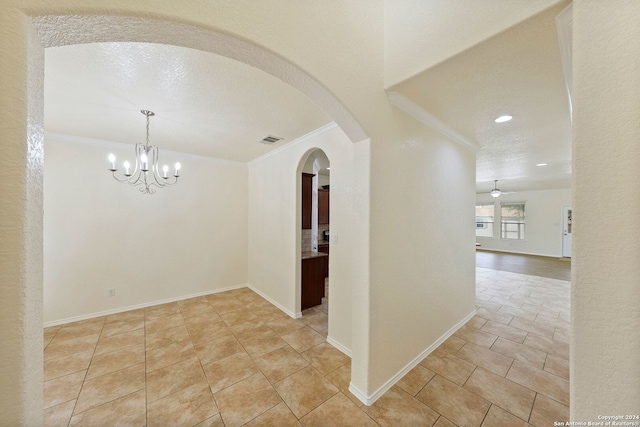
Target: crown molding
[[423, 116], [74, 139]]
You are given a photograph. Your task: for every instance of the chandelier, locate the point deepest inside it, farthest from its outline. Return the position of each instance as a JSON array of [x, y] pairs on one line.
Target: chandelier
[[143, 176]]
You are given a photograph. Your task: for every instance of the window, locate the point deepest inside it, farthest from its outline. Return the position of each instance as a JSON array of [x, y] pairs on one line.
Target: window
[[484, 220], [512, 220]]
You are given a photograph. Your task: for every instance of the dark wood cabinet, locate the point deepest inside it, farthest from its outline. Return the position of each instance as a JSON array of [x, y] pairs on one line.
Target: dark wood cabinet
[[323, 206], [324, 248], [307, 190], [313, 274]]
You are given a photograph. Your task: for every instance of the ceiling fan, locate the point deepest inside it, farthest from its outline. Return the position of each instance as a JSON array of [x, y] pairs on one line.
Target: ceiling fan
[[496, 192]]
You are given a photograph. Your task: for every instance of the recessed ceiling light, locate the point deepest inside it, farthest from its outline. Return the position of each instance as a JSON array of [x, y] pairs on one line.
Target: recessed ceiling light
[[328, 168], [541, 164], [503, 119]]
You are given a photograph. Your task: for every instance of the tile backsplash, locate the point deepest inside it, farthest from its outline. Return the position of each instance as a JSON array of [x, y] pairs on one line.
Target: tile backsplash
[[305, 240]]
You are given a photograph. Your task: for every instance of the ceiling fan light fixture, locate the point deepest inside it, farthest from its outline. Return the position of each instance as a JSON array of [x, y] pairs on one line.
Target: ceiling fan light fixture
[[495, 193], [503, 119]]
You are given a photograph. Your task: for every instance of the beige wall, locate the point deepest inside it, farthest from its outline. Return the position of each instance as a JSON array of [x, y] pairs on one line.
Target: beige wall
[[605, 303], [275, 227], [99, 234], [543, 228]]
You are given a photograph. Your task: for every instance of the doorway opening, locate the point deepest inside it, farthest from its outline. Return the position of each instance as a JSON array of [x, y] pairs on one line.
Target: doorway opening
[[315, 240]]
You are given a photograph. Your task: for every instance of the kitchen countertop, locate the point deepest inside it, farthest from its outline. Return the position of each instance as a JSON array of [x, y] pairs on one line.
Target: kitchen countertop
[[312, 254]]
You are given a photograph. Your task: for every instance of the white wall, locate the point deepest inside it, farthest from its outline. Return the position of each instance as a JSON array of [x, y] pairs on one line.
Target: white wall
[[275, 224], [543, 222], [100, 234], [605, 296]]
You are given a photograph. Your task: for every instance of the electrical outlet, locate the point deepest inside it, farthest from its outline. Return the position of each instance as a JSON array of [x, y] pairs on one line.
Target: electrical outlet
[[111, 292]]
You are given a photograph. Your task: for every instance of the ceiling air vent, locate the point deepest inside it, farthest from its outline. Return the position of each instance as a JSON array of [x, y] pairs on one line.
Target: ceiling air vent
[[270, 139]]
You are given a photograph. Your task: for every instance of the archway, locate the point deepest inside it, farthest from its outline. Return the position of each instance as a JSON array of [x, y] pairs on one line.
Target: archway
[[64, 30]]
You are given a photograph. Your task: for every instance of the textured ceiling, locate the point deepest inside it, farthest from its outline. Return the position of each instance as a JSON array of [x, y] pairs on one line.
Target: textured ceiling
[[517, 72], [205, 104]]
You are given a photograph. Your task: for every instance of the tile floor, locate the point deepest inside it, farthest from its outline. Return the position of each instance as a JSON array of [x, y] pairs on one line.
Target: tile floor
[[233, 359]]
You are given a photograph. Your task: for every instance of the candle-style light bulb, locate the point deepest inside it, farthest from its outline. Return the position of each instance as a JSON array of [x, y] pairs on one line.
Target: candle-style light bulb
[[127, 165], [177, 166], [112, 159], [165, 169], [144, 160]]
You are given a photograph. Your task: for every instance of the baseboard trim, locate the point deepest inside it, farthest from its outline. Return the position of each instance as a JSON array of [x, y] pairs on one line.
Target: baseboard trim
[[516, 252], [370, 400], [137, 306], [339, 346], [276, 303]]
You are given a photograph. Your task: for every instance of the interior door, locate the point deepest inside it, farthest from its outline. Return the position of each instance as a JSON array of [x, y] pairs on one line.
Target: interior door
[[566, 231]]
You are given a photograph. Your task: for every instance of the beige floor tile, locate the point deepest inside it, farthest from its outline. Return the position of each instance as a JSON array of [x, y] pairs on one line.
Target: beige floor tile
[[454, 402], [120, 327], [173, 378], [259, 345], [520, 352], [494, 316], [61, 366], [552, 322], [49, 333], [415, 379], [533, 327], [475, 336], [59, 415], [106, 388], [498, 417], [62, 389], [559, 348], [449, 366], [341, 378], [250, 328], [317, 321], [115, 361], [325, 358], [488, 359], [201, 332], [547, 411], [215, 421], [488, 305], [562, 335], [169, 354], [186, 407], [443, 422], [234, 317], [225, 306], [207, 312], [541, 381], [337, 411], [230, 370], [118, 342], [508, 395], [65, 347], [281, 363], [128, 410], [166, 337], [557, 366], [504, 331], [278, 416], [516, 312], [284, 326], [161, 310], [305, 390], [212, 351], [197, 303], [452, 344], [397, 407], [246, 400], [162, 323], [81, 328], [303, 339], [476, 322]]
